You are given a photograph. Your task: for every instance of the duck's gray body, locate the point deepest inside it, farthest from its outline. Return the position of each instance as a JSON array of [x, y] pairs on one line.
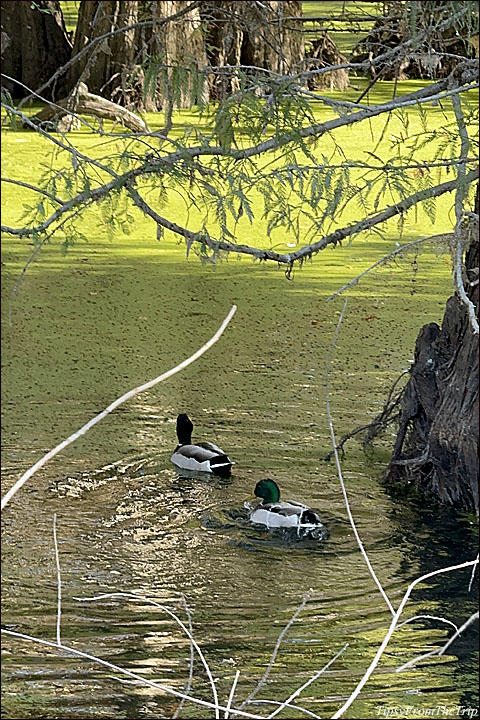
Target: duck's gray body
[[202, 456], [284, 514]]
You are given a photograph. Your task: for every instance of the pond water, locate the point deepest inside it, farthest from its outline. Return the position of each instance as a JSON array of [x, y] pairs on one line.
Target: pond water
[[88, 328]]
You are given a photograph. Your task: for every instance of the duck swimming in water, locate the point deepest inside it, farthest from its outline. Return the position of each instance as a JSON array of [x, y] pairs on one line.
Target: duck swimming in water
[[202, 456], [286, 514]]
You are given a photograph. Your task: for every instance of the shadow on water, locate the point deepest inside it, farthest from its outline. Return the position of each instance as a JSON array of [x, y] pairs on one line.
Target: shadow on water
[[434, 536]]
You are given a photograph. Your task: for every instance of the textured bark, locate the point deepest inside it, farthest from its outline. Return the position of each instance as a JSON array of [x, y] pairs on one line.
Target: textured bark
[[101, 67], [324, 52], [246, 33], [177, 43], [436, 445], [34, 44], [119, 66], [423, 59]]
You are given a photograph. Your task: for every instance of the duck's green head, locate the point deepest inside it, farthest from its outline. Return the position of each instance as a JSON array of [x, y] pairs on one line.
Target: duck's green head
[[268, 490]]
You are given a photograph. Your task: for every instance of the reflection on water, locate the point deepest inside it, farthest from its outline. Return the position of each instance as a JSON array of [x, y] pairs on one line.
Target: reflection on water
[[128, 522]]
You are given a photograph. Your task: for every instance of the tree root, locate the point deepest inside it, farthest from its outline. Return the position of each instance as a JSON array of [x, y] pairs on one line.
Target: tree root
[[390, 414]]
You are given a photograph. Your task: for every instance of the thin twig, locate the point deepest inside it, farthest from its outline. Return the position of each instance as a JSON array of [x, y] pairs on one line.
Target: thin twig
[[378, 424], [474, 570], [443, 237], [232, 691], [339, 468], [124, 671], [265, 675], [289, 705], [134, 596], [32, 257], [190, 673], [51, 197], [460, 197], [391, 629], [131, 393], [427, 617], [441, 650], [19, 279], [463, 627], [309, 682], [59, 580]]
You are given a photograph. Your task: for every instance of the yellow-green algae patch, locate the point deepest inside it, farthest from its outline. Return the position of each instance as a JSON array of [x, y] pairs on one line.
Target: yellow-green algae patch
[[115, 312]]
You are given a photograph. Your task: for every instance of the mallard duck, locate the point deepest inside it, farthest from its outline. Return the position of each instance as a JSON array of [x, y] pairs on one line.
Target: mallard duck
[[275, 514], [203, 456]]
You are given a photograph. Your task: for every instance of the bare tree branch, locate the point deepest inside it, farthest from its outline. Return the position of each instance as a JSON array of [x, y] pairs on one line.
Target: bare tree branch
[[125, 671], [391, 630], [135, 596], [307, 250], [116, 403], [460, 197], [443, 237], [306, 684], [265, 675], [440, 651], [339, 467]]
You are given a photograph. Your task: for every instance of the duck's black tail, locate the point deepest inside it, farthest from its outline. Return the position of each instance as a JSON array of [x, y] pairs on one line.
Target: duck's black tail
[[221, 465]]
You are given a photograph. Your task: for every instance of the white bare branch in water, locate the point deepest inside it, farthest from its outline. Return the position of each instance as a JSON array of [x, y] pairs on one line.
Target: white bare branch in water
[[190, 672], [472, 576], [232, 692], [131, 393], [309, 682], [441, 650], [427, 617], [265, 675], [460, 197], [59, 645], [124, 671], [391, 630], [443, 238], [59, 579], [135, 596], [339, 467], [289, 705]]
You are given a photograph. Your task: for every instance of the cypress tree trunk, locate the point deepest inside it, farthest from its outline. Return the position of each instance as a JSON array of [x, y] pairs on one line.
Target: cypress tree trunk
[[34, 45], [121, 66], [101, 68], [262, 35], [436, 445]]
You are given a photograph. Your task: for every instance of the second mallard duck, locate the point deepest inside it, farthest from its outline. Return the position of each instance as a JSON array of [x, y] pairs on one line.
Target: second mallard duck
[[202, 456], [286, 514]]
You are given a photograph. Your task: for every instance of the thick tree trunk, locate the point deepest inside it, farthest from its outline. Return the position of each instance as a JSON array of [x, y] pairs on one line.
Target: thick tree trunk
[[437, 442], [101, 68], [262, 35], [324, 52], [34, 44], [136, 68]]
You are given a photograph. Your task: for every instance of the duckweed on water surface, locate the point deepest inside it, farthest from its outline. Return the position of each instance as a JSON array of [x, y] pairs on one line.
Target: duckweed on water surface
[[113, 313]]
